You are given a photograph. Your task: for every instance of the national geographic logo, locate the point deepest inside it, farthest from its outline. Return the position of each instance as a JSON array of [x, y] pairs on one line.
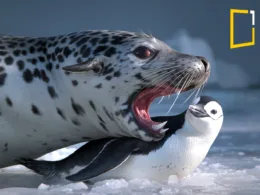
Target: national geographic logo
[[232, 32]]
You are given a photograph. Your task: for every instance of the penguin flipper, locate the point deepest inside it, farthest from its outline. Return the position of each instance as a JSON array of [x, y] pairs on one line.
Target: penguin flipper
[[113, 154], [45, 168]]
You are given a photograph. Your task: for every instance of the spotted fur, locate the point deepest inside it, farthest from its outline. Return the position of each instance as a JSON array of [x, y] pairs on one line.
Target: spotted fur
[[44, 107]]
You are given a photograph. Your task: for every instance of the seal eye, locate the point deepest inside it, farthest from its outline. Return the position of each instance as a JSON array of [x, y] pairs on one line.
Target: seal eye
[[143, 52], [213, 111]]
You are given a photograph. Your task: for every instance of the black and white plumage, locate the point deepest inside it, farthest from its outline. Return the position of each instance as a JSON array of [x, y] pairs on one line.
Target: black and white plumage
[[182, 149]]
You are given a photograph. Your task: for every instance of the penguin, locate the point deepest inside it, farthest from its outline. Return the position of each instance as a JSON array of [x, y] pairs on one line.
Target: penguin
[[186, 143]]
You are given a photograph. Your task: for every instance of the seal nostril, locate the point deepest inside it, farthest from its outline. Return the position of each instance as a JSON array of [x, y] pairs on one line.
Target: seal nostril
[[205, 63]]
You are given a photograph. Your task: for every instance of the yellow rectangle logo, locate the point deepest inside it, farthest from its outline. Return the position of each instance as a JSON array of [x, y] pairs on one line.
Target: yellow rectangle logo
[[232, 27]]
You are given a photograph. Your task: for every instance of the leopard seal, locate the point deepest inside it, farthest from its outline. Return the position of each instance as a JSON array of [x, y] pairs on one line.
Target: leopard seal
[[66, 89], [179, 152]]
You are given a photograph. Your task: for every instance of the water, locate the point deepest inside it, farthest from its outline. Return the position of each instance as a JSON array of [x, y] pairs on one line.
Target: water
[[231, 167]]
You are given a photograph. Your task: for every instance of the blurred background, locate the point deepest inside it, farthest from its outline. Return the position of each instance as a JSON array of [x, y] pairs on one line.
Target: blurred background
[[198, 27]]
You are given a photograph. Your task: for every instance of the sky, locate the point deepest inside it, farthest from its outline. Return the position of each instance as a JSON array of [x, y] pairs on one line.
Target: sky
[[198, 27]]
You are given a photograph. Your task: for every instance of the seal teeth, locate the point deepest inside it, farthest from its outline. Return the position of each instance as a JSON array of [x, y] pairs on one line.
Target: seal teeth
[[159, 126], [164, 130]]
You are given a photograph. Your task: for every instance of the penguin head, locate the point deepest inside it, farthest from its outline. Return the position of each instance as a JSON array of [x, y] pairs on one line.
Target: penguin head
[[205, 114]]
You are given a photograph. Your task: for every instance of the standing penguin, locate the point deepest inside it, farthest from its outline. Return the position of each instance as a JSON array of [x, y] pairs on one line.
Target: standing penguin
[[184, 146]]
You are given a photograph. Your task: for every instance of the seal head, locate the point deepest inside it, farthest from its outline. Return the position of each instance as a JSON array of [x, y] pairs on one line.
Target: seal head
[[141, 69]]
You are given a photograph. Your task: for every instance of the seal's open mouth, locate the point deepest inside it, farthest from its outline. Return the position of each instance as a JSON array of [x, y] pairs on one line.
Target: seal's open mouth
[[141, 104]]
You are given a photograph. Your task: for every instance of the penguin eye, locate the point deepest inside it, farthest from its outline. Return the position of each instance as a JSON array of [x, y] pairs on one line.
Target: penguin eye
[[213, 111], [143, 52]]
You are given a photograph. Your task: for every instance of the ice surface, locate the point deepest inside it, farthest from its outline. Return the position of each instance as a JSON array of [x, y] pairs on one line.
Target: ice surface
[[231, 167], [228, 169]]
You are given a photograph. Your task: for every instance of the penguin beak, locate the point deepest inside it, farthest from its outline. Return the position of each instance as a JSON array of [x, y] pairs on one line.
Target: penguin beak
[[198, 111]]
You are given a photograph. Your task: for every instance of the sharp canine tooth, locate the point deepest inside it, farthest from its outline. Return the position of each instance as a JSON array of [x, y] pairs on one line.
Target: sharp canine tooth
[[159, 126], [164, 130]]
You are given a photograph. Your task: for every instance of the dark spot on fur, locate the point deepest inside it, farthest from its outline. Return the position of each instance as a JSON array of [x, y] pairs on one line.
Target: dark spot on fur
[[5, 147], [74, 82], [8, 101], [63, 40], [104, 40], [31, 40], [77, 108], [44, 144], [75, 122], [22, 44], [116, 99], [35, 110], [44, 76], [2, 79], [60, 58], [59, 111], [32, 49], [67, 51], [111, 51], [104, 126], [101, 120], [41, 59], [16, 52], [3, 53], [33, 61], [52, 92], [57, 66], [79, 61], [82, 41], [108, 78], [99, 86], [36, 73], [107, 113], [94, 41], [27, 76], [85, 53], [117, 74], [99, 49], [95, 33], [20, 65], [140, 77], [24, 52], [9, 60], [130, 120], [117, 40], [57, 51], [53, 57], [49, 66], [76, 54], [92, 105], [55, 43], [108, 69], [64, 140], [2, 69]]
